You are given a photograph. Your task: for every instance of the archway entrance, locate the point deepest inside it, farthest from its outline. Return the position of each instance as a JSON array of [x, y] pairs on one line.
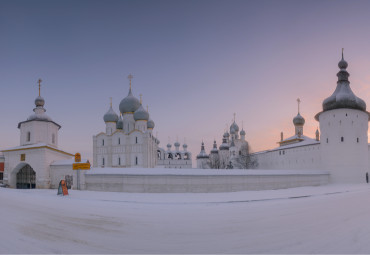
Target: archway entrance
[[26, 178]]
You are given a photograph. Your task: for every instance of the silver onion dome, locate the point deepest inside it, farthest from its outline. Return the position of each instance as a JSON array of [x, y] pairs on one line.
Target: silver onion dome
[[298, 120], [185, 146], [110, 115], [39, 101], [150, 124], [119, 124], [343, 96], [129, 104], [177, 144], [141, 114], [242, 132], [234, 127]]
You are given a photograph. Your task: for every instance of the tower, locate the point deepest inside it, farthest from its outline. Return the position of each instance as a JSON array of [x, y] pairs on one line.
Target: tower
[[344, 126], [110, 119], [298, 122], [202, 158]]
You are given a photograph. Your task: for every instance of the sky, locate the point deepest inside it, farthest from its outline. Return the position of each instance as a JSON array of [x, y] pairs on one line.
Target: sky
[[196, 63]]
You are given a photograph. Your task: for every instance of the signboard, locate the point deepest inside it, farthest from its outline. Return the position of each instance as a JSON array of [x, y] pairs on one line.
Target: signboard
[[77, 157], [62, 189], [81, 166]]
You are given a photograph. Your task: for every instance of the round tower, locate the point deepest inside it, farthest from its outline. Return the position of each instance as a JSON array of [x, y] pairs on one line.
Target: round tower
[[344, 127], [110, 119]]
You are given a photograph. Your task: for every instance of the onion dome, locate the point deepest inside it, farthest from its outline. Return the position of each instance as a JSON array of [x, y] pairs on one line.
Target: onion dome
[[110, 116], [214, 149], [169, 146], [185, 146], [150, 124], [119, 123], [226, 134], [242, 132], [202, 153], [234, 127], [298, 120], [141, 114], [224, 145], [39, 101], [343, 97], [177, 144], [129, 104]]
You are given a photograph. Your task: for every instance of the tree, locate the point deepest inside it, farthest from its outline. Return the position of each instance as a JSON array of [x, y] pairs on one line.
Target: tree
[[245, 160]]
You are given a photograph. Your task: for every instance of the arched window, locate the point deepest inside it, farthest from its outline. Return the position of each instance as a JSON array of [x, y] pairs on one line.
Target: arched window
[[136, 161], [103, 163], [119, 140], [102, 142], [28, 136], [342, 139], [119, 161], [136, 139]]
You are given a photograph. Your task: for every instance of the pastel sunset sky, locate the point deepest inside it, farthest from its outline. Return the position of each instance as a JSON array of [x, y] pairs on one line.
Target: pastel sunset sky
[[196, 63]]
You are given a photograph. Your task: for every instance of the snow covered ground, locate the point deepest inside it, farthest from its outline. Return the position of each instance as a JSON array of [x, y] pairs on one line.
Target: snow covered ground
[[326, 219]]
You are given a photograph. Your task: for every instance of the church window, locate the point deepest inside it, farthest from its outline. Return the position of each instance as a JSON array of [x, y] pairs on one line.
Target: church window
[[53, 138], [279, 152], [346, 114], [103, 162], [358, 140], [327, 140], [136, 160], [342, 139], [136, 139], [119, 161], [102, 142], [28, 136], [119, 140], [283, 152], [240, 153]]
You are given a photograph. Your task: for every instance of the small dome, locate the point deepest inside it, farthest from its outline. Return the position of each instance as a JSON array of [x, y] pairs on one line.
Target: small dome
[[150, 124], [169, 145], [234, 127], [141, 114], [129, 104], [39, 116], [119, 123], [242, 132], [110, 116], [39, 101], [298, 120], [177, 144], [185, 146], [226, 134]]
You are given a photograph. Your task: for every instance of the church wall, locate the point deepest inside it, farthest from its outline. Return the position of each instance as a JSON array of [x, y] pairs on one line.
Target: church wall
[[300, 157]]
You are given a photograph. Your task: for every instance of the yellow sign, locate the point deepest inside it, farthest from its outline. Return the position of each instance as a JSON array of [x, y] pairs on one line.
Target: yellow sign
[[81, 166], [77, 157]]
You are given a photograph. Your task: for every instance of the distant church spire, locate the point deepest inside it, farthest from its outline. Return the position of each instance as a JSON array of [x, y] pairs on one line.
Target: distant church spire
[[298, 101], [39, 81], [129, 77]]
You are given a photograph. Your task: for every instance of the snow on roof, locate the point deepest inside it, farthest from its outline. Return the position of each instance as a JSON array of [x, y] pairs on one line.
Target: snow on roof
[[37, 145], [200, 172], [67, 162]]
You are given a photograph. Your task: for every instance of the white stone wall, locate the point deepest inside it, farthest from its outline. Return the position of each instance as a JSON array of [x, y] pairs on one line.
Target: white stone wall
[[40, 132], [300, 157], [202, 183], [344, 144]]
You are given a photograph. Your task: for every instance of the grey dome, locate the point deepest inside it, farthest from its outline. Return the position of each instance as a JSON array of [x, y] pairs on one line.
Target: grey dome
[[226, 134], [119, 124], [185, 146], [242, 132], [110, 116], [343, 96], [298, 120], [150, 124], [129, 104], [39, 101], [141, 114], [177, 144], [235, 127]]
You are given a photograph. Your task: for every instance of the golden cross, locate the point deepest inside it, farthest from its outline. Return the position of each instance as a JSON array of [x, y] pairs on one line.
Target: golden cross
[[234, 116], [342, 52], [110, 101], [130, 76], [141, 98], [147, 108], [299, 101], [39, 81]]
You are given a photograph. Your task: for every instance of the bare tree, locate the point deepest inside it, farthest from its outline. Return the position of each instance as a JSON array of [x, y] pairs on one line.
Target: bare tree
[[245, 160]]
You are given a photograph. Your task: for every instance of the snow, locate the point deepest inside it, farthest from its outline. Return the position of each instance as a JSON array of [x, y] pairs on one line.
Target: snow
[[195, 171], [67, 162], [325, 219]]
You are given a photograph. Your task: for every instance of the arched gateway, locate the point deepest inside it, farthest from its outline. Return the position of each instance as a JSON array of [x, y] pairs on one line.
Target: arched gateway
[[26, 178]]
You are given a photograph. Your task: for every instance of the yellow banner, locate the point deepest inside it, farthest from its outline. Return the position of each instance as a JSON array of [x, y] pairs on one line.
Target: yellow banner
[[81, 166]]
